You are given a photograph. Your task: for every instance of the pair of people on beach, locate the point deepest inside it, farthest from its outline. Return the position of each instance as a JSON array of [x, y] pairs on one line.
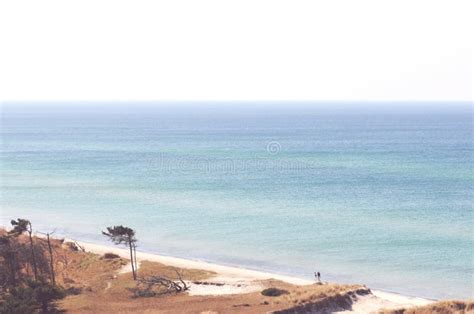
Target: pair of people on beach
[[317, 276]]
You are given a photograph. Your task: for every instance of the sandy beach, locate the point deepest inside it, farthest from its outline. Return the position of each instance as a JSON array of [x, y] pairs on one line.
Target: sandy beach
[[239, 280]]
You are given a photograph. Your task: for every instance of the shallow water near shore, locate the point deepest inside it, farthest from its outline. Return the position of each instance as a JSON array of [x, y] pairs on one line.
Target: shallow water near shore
[[363, 196]]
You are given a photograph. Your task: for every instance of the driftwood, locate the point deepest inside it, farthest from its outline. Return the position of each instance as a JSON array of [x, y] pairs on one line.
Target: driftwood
[[159, 285], [80, 247]]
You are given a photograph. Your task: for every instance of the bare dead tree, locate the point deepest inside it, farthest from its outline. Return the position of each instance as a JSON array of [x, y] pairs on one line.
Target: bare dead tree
[[159, 285], [51, 257]]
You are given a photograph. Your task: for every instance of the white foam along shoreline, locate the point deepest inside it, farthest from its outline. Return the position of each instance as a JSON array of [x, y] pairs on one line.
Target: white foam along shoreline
[[380, 299]]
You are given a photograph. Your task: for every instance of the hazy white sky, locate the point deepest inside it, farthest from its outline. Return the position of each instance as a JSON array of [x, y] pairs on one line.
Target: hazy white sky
[[236, 50]]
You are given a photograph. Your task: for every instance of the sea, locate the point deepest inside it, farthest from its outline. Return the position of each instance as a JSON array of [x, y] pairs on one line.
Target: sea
[[379, 194]]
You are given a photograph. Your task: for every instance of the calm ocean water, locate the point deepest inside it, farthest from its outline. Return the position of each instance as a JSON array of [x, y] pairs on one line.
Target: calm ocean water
[[380, 197]]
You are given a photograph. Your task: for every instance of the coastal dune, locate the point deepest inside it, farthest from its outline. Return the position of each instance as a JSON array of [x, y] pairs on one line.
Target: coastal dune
[[234, 280]]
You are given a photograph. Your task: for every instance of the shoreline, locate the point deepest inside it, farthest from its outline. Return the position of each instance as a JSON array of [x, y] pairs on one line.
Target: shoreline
[[233, 273]]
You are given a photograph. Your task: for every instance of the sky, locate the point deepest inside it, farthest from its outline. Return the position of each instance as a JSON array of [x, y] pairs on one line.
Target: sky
[[332, 50]]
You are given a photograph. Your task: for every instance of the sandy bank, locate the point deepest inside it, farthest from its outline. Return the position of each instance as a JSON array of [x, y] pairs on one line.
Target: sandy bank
[[241, 280]]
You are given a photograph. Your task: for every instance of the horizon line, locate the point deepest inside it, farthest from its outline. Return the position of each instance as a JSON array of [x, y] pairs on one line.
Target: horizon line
[[230, 101]]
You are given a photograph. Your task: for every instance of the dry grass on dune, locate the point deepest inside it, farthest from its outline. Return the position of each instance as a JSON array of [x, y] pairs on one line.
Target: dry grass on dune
[[443, 307], [326, 298], [106, 291], [113, 295], [100, 286]]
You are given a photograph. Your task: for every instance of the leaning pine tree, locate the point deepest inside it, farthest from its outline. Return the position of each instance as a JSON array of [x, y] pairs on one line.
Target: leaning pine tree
[[126, 236], [24, 225]]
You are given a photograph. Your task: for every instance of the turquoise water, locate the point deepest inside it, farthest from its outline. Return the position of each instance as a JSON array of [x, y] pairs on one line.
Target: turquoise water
[[380, 197]]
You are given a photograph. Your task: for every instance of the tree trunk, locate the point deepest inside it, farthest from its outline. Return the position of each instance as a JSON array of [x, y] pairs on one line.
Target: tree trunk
[[51, 261], [131, 260], [135, 258], [33, 258]]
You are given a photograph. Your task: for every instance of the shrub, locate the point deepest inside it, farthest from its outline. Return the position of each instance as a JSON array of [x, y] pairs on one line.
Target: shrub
[[73, 291], [110, 256], [34, 296], [273, 292]]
